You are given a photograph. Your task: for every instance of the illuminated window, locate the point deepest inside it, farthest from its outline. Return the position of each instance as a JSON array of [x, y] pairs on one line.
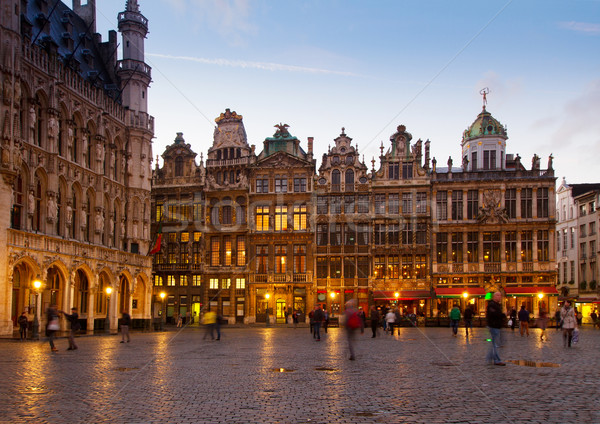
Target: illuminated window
[[196, 280], [262, 259], [300, 217], [394, 266], [241, 251], [185, 237], [213, 284], [158, 281], [160, 210], [183, 280], [300, 259], [215, 246], [280, 259], [240, 283], [379, 266], [170, 280], [262, 218], [228, 253], [280, 218], [197, 236]]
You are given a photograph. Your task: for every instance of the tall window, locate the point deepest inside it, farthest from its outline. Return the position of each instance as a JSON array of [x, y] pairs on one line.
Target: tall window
[[542, 202], [262, 218], [300, 185], [441, 203], [394, 204], [472, 204], [363, 234], [171, 281], [510, 202], [526, 203], [322, 267], [510, 246], [393, 266], [349, 204], [526, 246], [362, 266], [379, 266], [543, 245], [213, 284], [421, 266], [241, 251], [421, 233], [336, 180], [280, 218], [442, 248], [228, 250], [280, 185], [421, 203], [300, 217], [349, 234], [393, 234], [407, 203], [380, 204], [335, 234], [489, 159], [457, 247], [407, 170], [349, 180], [226, 214], [491, 247], [474, 161], [335, 205], [178, 166], [322, 235], [215, 250], [262, 258], [473, 247], [349, 267], [407, 267], [299, 258], [280, 259], [394, 171], [322, 205], [407, 233], [379, 234], [335, 267], [184, 257], [457, 205]]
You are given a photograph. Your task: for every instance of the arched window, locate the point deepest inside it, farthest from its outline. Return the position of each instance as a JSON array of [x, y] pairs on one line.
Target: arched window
[[349, 180], [178, 166], [83, 291], [37, 212], [17, 210], [73, 228], [59, 208]]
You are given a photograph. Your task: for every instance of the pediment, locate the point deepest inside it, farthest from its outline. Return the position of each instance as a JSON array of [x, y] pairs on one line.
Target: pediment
[[281, 160]]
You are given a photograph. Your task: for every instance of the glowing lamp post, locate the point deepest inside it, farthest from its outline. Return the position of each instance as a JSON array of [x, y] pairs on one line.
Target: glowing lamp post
[[396, 295], [107, 320], [162, 296], [37, 285]]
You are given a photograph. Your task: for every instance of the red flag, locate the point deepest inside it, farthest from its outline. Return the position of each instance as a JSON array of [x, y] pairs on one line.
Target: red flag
[[157, 244]]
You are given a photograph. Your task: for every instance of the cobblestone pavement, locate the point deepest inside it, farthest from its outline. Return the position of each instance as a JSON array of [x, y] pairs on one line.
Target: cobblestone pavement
[[424, 375]]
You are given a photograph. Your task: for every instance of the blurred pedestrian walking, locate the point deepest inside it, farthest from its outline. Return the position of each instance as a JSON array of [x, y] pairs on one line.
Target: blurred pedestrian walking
[[125, 323], [353, 323], [74, 325], [569, 323], [52, 325], [23, 324], [495, 320]]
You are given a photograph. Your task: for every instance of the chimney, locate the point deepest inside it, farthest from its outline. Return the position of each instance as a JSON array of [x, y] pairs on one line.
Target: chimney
[[310, 145]]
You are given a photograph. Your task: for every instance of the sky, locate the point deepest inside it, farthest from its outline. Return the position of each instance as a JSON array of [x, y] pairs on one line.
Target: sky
[[369, 66]]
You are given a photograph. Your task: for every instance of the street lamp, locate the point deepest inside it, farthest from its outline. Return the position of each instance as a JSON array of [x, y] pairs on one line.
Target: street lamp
[[37, 285], [162, 315], [107, 320], [267, 296], [396, 295]]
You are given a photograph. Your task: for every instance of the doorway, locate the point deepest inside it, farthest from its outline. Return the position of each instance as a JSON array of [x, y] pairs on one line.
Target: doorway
[[280, 311]]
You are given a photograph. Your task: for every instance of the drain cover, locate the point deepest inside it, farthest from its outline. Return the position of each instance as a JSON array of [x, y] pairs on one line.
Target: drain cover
[[535, 364], [282, 370]]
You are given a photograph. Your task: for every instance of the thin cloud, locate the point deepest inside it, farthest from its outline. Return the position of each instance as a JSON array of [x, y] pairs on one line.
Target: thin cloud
[[583, 27], [266, 66]]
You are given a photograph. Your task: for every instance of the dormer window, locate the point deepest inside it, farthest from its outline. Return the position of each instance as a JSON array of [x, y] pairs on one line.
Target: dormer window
[[178, 166], [335, 160]]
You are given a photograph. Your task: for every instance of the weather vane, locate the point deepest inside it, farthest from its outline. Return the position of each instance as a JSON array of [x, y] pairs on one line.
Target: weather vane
[[484, 92]]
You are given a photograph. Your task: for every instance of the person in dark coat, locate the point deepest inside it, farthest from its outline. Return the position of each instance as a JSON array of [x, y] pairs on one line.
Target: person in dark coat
[[468, 316], [524, 321], [374, 320], [495, 320], [73, 319], [52, 325], [513, 319], [318, 318], [125, 323], [23, 323]]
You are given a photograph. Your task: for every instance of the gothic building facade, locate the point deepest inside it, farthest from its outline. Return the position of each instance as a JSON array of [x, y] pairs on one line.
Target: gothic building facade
[[265, 234], [75, 165]]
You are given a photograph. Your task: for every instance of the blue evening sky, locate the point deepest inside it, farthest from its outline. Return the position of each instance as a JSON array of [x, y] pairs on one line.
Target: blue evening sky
[[369, 66]]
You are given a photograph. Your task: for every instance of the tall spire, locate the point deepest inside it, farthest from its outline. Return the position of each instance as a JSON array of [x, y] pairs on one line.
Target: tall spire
[[132, 6]]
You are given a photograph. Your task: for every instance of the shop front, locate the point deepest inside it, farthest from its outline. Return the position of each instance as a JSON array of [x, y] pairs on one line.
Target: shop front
[[587, 305], [409, 302], [532, 297], [447, 297]]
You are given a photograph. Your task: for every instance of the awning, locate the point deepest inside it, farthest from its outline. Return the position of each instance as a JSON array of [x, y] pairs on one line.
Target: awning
[[402, 295], [531, 291], [587, 300], [458, 291]]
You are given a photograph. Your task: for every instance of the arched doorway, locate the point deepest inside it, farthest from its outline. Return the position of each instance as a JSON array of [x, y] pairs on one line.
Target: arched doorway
[[124, 295], [81, 293]]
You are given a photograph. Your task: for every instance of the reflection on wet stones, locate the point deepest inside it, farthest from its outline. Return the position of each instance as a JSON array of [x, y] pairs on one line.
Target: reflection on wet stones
[[325, 369], [124, 369], [34, 390], [282, 370], [535, 364]]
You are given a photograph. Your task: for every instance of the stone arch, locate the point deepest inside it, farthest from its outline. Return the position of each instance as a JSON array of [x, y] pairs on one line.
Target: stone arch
[[141, 294], [82, 288], [124, 291], [22, 274]]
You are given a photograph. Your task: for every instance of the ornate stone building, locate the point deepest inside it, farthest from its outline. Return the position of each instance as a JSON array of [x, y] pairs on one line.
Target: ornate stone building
[[75, 164], [276, 235]]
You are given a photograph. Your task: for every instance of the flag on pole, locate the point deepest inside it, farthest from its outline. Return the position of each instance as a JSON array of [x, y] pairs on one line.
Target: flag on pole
[[157, 244]]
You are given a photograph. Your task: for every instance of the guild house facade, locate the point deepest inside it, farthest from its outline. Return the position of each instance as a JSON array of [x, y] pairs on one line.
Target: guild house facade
[[257, 235]]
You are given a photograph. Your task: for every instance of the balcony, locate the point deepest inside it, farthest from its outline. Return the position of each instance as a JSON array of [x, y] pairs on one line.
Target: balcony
[[492, 267], [527, 266], [457, 267]]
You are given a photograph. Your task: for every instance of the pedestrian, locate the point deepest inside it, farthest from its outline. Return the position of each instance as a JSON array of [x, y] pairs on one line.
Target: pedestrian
[[455, 319], [125, 323], [397, 320], [352, 323], [568, 323], [311, 321], [210, 319], [594, 316], [523, 321], [218, 326], [374, 320], [579, 317], [468, 319], [23, 323], [542, 321], [194, 317], [495, 320], [295, 319], [52, 325], [390, 318], [363, 318], [318, 317], [179, 321], [557, 319], [73, 319], [513, 319], [325, 320]]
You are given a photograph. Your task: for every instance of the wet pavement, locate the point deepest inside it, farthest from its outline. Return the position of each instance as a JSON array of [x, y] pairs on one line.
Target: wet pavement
[[280, 375]]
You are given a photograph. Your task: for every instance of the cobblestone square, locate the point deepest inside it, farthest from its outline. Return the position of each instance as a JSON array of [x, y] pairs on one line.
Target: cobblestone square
[[280, 375]]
